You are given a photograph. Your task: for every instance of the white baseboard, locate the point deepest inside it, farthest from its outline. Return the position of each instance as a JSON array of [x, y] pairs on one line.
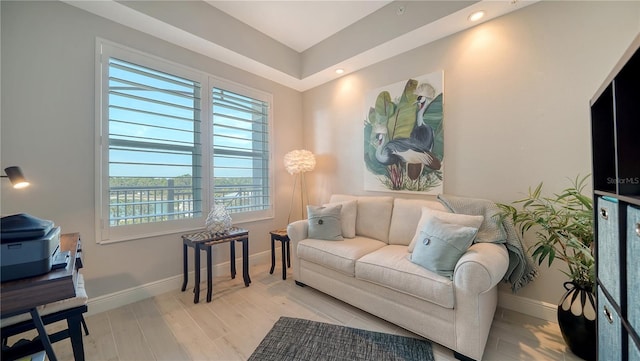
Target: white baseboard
[[540, 309], [535, 308], [135, 294]]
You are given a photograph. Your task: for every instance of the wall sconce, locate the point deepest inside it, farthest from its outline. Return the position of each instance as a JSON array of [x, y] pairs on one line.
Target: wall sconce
[[16, 177], [298, 162]]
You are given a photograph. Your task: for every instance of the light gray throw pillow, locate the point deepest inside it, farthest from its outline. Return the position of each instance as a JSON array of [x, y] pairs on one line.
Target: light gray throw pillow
[[446, 217], [440, 245], [325, 223]]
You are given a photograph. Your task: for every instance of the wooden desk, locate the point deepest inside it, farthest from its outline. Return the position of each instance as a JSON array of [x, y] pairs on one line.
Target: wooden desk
[[21, 295], [204, 241], [25, 295]]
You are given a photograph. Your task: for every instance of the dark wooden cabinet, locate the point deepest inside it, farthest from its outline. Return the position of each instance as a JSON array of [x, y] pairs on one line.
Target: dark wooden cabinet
[[615, 133]]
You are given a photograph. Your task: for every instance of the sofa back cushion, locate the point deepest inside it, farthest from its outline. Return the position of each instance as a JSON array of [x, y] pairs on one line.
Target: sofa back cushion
[[373, 217], [348, 214], [406, 215]]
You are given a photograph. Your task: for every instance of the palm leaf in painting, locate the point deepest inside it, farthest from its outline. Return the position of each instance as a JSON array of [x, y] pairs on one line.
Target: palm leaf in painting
[[404, 119], [433, 117]]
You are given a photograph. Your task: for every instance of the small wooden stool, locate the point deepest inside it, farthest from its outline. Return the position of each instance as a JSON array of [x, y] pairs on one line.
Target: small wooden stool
[[280, 235]]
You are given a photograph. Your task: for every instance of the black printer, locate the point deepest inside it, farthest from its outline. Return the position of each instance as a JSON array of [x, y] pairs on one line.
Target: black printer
[[28, 245]]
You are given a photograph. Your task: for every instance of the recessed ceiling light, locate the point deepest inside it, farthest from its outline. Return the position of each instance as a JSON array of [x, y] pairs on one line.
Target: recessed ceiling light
[[339, 71], [476, 15]]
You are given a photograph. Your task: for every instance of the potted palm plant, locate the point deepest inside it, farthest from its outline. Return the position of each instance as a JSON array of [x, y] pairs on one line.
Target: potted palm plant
[[563, 228]]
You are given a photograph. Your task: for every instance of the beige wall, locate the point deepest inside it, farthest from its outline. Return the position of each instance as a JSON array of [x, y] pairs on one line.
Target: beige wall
[[48, 129], [516, 113], [517, 93]]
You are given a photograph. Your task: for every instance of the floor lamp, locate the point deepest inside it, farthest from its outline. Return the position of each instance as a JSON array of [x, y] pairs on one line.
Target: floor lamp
[[298, 162]]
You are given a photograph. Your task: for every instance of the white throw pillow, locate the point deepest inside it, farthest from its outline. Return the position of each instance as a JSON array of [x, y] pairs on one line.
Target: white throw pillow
[[348, 215], [453, 218]]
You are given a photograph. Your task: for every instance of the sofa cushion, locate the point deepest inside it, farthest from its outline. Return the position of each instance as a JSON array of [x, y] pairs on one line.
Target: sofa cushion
[[441, 244], [374, 215], [348, 215], [390, 267], [338, 198], [324, 222], [455, 218], [339, 256], [406, 214]]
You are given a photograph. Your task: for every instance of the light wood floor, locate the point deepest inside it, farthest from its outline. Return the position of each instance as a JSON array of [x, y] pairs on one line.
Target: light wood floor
[[172, 327]]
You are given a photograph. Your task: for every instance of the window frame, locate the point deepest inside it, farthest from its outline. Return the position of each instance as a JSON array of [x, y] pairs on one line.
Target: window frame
[[107, 234]]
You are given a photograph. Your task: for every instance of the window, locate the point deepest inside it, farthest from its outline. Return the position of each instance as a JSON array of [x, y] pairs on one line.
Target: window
[[240, 151], [160, 166], [154, 145]]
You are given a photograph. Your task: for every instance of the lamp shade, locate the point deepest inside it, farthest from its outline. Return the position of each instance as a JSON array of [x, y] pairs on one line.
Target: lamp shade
[[299, 161], [16, 177]]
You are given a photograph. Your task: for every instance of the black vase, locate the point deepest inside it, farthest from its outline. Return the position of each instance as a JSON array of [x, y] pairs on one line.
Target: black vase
[[577, 320]]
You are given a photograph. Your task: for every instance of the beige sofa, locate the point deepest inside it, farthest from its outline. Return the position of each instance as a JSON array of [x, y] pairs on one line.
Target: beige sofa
[[373, 272]]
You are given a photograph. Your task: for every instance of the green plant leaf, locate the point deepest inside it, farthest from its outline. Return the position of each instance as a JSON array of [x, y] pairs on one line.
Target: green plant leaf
[[563, 225], [552, 255]]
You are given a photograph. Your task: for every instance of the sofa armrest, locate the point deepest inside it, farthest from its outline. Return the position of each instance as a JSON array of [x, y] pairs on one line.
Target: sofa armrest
[[298, 230], [481, 267], [476, 296]]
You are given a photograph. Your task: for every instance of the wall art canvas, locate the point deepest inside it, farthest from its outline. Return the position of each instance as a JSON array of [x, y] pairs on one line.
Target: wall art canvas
[[404, 137]]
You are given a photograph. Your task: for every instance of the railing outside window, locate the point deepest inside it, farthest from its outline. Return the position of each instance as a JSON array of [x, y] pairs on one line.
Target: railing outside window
[[135, 205]]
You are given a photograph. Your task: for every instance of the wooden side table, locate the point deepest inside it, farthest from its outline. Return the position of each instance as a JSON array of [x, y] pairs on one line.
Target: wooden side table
[[280, 235], [203, 241]]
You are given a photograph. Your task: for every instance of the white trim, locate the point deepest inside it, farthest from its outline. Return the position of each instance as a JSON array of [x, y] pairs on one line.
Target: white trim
[[539, 309], [98, 148], [130, 295], [239, 88], [450, 24]]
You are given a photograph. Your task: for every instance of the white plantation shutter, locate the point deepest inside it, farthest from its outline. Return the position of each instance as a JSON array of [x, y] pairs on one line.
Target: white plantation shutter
[[240, 151], [159, 167], [154, 145]]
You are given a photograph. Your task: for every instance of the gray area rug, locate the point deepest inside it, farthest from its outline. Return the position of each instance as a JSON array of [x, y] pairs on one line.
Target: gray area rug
[[301, 340]]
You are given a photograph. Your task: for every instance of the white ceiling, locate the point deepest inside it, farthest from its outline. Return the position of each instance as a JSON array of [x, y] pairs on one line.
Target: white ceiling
[[319, 36], [298, 24]]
